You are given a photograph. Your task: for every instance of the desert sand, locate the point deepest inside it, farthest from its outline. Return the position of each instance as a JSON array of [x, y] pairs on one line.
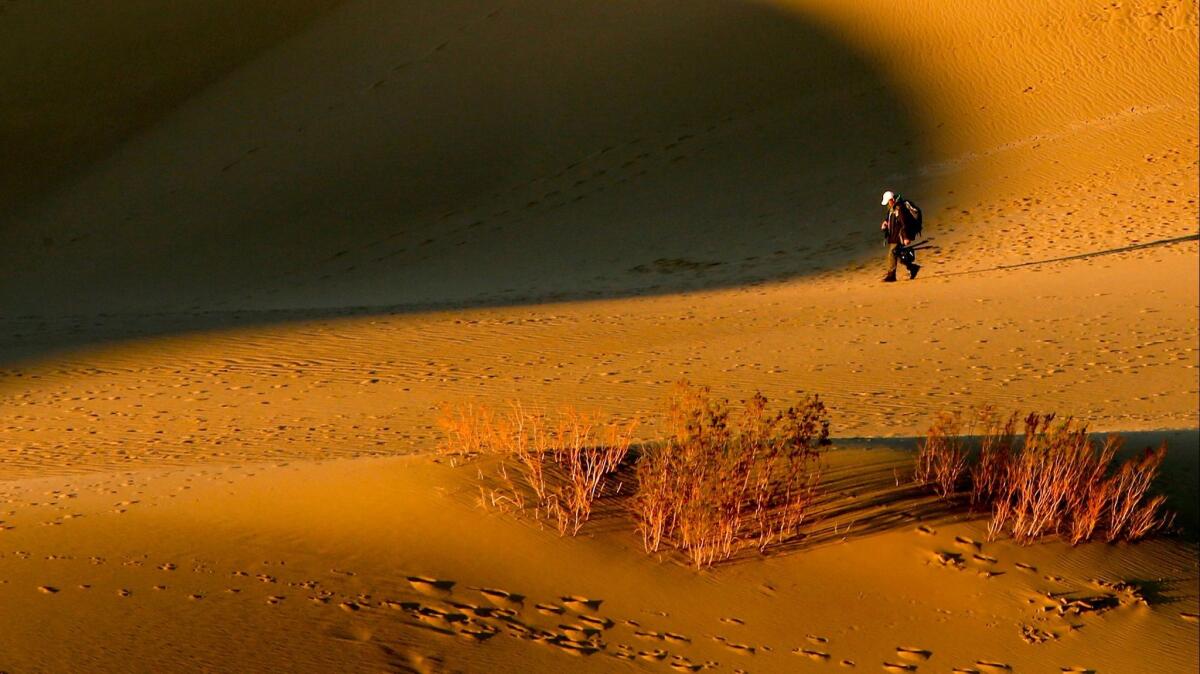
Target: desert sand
[[250, 248]]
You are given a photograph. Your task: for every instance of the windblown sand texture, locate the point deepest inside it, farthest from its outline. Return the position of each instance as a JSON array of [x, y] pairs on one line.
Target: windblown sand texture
[[249, 247]]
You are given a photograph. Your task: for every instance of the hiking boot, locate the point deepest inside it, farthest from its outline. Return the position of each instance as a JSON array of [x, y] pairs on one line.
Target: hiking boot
[[890, 278], [912, 271]]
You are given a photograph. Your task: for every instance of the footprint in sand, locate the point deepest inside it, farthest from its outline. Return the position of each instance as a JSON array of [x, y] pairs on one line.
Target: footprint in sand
[[1190, 617], [968, 542], [496, 612], [1026, 567], [899, 667], [500, 597], [992, 666], [816, 639], [578, 632], [124, 593], [623, 652], [910, 653], [476, 632], [818, 656], [740, 649], [438, 617], [578, 603], [949, 559], [733, 621], [430, 586], [600, 622], [654, 655], [925, 530], [47, 589], [478, 611], [550, 609], [847, 663]]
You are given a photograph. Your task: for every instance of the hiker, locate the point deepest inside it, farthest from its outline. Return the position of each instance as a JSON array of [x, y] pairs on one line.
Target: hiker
[[900, 228]]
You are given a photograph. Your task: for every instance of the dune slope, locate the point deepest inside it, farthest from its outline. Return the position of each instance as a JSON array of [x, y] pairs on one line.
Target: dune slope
[[386, 565]]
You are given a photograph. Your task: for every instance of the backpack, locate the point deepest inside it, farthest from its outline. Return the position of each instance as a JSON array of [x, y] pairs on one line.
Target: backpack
[[911, 220]]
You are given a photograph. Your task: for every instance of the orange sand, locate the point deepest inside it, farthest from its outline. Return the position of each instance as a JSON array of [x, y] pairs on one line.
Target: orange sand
[[249, 234]]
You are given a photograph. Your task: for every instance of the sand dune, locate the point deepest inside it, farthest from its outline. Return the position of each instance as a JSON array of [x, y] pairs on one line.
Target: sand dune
[[431, 152], [387, 565], [434, 152], [250, 247], [82, 79], [376, 150]]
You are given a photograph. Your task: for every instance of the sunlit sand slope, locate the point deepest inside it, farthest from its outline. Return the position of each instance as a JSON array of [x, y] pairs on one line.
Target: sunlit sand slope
[[1115, 348]]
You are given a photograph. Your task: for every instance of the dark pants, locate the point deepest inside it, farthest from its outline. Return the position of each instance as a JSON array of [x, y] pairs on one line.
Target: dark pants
[[892, 259]]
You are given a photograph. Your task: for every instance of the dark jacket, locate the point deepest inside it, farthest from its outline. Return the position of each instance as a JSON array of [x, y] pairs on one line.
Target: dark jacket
[[897, 221]]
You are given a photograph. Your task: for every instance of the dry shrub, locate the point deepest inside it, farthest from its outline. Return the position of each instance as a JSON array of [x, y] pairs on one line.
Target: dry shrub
[[1061, 482], [990, 471], [942, 458], [586, 454], [1131, 515], [1052, 483], [1058, 482], [565, 460], [468, 430], [724, 480]]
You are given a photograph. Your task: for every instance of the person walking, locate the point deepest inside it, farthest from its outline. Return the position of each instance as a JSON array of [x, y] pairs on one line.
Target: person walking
[[900, 227]]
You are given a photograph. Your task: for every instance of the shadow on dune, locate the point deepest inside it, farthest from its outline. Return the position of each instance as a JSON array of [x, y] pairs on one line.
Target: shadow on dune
[[84, 77], [859, 500], [401, 156], [1177, 480]]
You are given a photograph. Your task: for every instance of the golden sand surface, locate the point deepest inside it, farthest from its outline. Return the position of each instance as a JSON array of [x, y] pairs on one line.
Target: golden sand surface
[[389, 565], [250, 247]]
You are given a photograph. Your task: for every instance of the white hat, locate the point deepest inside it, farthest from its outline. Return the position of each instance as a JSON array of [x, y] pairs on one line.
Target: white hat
[[887, 196]]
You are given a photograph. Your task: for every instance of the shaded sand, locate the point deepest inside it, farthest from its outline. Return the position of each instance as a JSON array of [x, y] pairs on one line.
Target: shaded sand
[[386, 565], [406, 154]]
